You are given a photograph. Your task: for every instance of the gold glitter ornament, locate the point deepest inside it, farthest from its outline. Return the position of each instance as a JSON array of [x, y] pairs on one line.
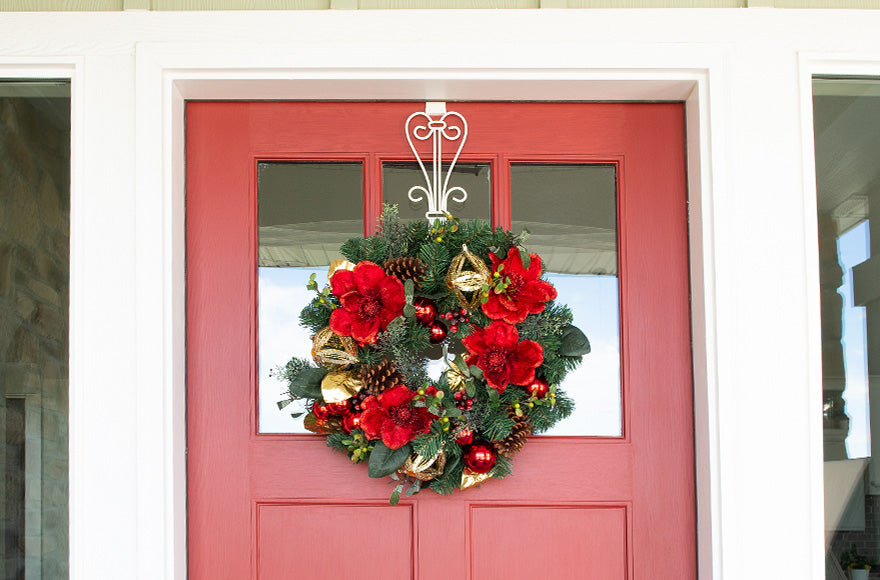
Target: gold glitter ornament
[[424, 469], [340, 386], [465, 284], [332, 351]]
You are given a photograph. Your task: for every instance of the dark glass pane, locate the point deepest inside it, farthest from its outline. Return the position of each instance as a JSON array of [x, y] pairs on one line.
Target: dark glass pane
[[571, 212], [306, 211], [34, 328], [474, 178], [846, 115]]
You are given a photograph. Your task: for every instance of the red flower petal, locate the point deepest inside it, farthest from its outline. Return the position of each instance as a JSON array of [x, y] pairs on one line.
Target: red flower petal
[[499, 334], [367, 274], [340, 322], [396, 396], [395, 436], [372, 421], [342, 282], [351, 300]]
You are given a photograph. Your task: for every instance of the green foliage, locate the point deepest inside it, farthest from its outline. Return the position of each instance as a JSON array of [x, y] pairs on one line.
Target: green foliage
[[307, 383], [450, 479], [503, 467], [852, 559], [384, 461], [336, 441], [403, 342], [316, 315], [437, 259], [292, 368], [429, 444], [545, 416], [395, 232]]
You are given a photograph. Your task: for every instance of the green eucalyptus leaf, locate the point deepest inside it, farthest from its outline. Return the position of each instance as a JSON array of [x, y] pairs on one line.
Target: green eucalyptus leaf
[[395, 495], [525, 257], [414, 488], [385, 461], [307, 383], [434, 410], [408, 290], [573, 342], [409, 310], [476, 372], [470, 388]]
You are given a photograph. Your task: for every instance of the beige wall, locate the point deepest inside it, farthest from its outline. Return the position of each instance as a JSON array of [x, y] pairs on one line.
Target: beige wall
[[114, 5]]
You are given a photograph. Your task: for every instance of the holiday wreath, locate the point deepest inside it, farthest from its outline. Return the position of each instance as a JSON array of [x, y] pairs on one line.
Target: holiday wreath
[[414, 288]]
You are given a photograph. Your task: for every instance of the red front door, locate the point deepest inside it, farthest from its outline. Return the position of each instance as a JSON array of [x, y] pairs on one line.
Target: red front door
[[273, 506]]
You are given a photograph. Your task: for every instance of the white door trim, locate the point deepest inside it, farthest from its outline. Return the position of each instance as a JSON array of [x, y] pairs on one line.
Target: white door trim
[[169, 74]]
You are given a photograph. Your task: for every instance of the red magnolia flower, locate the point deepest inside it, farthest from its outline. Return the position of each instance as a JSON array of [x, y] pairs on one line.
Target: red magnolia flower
[[390, 417], [369, 301], [526, 294], [504, 360]]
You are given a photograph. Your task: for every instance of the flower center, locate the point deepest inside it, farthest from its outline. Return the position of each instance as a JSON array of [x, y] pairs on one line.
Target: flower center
[[370, 306], [401, 415], [516, 282], [495, 359]]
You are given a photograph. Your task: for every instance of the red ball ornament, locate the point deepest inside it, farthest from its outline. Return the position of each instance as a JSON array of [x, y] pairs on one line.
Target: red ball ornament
[[539, 388], [436, 332], [464, 436], [321, 412], [351, 422], [426, 310], [480, 457], [340, 408]]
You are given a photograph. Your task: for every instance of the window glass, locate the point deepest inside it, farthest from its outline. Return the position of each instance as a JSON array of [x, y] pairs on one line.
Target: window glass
[[34, 315], [571, 213], [399, 177], [847, 138], [306, 211]]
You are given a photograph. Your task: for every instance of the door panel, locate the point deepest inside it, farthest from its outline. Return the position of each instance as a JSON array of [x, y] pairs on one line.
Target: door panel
[[284, 505]]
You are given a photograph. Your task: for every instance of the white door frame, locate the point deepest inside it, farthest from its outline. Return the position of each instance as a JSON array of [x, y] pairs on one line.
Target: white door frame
[[171, 75]]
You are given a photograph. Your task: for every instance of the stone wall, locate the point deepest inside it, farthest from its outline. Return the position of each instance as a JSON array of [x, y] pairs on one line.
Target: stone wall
[[34, 296]]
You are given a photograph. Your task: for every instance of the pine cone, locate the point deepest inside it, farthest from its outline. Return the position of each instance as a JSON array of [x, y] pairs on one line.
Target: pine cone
[[380, 377], [406, 268], [514, 442]]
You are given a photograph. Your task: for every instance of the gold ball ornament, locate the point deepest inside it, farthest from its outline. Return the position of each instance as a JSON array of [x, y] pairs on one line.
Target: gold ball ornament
[[332, 351], [465, 278]]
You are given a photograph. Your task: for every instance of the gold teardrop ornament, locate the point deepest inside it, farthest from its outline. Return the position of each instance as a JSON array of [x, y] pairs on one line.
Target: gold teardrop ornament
[[470, 478], [465, 283], [339, 386], [332, 351], [422, 468]]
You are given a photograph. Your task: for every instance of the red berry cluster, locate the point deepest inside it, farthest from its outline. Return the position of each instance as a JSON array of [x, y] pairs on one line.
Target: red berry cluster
[[462, 401], [454, 318]]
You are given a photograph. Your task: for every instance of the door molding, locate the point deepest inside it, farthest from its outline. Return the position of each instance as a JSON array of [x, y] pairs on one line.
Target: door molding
[[167, 75]]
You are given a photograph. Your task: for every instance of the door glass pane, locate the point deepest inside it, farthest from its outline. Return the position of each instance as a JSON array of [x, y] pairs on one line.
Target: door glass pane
[[306, 211], [399, 177], [846, 115], [571, 212], [34, 328]]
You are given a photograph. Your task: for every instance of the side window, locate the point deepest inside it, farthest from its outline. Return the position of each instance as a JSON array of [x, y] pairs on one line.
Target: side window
[[846, 127]]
